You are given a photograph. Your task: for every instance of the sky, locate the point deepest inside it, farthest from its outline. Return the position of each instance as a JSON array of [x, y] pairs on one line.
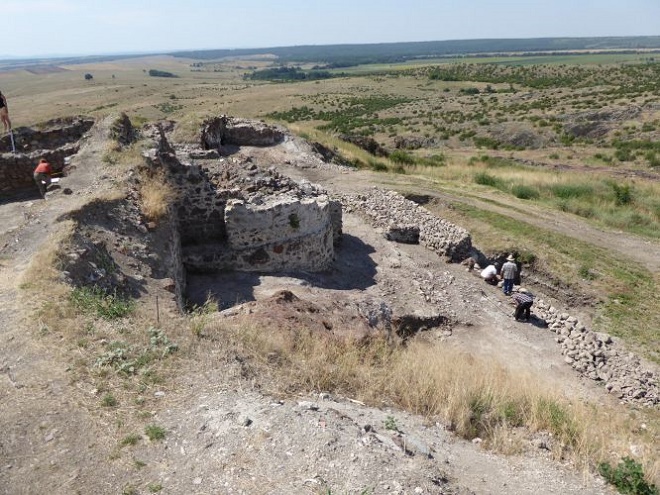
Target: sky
[[33, 28]]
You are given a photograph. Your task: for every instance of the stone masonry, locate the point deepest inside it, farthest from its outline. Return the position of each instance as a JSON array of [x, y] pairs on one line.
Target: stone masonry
[[54, 140], [233, 215], [597, 356], [404, 221]]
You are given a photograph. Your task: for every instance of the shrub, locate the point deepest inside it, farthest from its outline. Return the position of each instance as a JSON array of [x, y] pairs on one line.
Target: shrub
[[627, 477], [485, 179], [568, 191], [622, 194], [402, 157], [624, 155], [109, 400], [377, 166], [94, 300], [522, 191]]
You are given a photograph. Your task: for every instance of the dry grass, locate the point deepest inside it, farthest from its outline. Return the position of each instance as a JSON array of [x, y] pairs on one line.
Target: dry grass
[[41, 282], [474, 397], [157, 196]]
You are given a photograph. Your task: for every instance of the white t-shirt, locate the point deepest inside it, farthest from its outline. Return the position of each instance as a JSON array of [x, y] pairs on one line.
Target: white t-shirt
[[489, 272]]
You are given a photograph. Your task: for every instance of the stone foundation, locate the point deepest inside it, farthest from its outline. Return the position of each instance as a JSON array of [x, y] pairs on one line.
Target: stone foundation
[[55, 141], [402, 220], [232, 215]]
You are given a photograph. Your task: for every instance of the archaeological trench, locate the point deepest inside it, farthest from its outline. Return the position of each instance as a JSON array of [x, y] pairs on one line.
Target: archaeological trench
[[233, 216]]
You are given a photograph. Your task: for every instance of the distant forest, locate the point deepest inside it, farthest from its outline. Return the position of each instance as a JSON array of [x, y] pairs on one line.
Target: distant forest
[[337, 56]]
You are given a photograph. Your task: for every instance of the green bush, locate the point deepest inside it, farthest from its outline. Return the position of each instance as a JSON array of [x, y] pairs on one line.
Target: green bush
[[485, 179], [623, 194], [399, 156], [155, 432], [627, 477], [94, 300], [624, 155], [161, 73], [522, 191], [377, 166], [568, 191]]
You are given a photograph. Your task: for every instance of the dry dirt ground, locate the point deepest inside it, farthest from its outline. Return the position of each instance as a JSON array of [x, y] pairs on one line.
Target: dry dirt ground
[[224, 433]]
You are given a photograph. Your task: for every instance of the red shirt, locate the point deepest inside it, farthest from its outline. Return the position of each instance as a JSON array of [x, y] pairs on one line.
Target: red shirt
[[43, 168]]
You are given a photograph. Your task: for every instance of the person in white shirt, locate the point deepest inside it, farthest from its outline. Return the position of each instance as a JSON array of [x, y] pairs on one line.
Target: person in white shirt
[[489, 274]]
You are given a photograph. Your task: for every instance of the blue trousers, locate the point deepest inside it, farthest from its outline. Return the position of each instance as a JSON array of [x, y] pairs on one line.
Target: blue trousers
[[507, 286]]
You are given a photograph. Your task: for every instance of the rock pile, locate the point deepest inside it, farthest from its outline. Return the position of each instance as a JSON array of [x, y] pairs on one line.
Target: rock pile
[[598, 357], [405, 221]]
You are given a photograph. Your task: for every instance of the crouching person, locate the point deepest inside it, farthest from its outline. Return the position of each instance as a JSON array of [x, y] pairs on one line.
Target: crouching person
[[524, 301], [489, 274], [42, 174]]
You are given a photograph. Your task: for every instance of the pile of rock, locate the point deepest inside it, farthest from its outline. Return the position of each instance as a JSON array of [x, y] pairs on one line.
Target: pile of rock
[[598, 357], [404, 221]]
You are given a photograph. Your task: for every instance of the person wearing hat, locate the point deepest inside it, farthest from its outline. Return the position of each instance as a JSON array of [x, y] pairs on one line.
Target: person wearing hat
[[42, 174], [524, 300], [508, 273]]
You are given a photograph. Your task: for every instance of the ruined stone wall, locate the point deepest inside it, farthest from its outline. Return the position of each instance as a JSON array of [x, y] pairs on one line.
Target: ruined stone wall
[[47, 136], [598, 357], [228, 131], [201, 214], [284, 233], [404, 221], [232, 215], [16, 169], [53, 140]]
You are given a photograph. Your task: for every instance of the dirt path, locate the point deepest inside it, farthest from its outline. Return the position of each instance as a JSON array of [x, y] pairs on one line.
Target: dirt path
[[645, 252]]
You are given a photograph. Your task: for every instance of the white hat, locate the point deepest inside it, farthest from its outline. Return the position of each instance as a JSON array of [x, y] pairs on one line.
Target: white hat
[[511, 258]]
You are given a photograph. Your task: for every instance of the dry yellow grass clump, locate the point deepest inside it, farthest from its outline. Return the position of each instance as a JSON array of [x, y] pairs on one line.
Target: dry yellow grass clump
[[157, 196]]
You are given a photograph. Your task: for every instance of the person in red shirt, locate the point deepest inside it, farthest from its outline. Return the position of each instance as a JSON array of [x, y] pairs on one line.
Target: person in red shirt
[[42, 176]]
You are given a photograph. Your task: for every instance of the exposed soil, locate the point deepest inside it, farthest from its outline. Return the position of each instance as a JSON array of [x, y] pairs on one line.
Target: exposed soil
[[225, 433]]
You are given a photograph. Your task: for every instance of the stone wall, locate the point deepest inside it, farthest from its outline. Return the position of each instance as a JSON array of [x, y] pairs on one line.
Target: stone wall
[[598, 357], [16, 169], [404, 221], [54, 140], [48, 135], [229, 131], [233, 215]]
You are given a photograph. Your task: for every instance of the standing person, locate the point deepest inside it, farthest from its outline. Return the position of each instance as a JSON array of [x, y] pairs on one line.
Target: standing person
[[42, 175], [509, 272], [524, 301], [4, 113]]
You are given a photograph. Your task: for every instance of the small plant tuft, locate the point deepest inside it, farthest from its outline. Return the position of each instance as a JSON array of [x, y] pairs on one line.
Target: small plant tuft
[[94, 300], [109, 400], [390, 424], [131, 440], [155, 432]]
